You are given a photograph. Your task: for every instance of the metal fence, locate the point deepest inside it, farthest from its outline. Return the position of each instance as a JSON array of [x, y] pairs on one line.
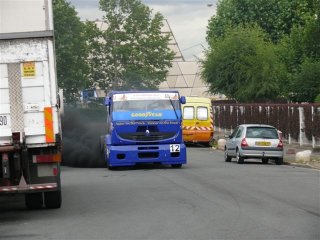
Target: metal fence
[[299, 123]]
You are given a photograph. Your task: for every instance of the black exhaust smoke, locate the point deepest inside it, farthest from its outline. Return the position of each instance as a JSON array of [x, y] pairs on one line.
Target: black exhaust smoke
[[81, 131]]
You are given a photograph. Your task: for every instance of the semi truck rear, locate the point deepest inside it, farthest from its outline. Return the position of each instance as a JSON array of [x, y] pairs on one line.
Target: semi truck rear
[[30, 131]]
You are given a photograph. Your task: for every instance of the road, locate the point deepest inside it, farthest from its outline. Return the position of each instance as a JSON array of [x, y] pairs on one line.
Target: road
[[206, 199]]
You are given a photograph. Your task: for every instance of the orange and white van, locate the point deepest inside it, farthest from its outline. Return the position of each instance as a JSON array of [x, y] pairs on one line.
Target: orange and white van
[[197, 120]]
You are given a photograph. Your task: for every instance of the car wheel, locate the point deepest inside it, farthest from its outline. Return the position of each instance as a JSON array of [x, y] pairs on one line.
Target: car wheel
[[279, 161], [265, 160], [52, 200], [227, 158], [34, 200], [240, 159]]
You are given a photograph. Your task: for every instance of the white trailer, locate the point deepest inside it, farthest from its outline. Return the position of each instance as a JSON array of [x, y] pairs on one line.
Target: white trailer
[[30, 131]]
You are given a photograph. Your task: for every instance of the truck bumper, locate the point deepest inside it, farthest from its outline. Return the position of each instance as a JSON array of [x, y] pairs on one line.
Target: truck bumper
[[29, 188], [132, 154]]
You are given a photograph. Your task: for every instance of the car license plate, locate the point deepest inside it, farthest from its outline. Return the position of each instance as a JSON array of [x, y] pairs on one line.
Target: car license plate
[[263, 144]]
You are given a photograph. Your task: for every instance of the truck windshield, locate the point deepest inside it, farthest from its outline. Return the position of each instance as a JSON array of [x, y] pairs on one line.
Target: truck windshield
[[145, 105]]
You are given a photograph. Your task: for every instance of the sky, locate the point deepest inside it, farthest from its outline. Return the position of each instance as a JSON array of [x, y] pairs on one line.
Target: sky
[[188, 20]]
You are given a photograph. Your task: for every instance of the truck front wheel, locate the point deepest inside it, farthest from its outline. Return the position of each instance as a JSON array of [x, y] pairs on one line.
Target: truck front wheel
[[176, 165], [34, 200], [52, 199]]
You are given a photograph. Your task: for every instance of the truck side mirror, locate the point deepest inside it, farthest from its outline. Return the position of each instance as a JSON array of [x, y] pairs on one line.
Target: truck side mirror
[[182, 99], [107, 101]]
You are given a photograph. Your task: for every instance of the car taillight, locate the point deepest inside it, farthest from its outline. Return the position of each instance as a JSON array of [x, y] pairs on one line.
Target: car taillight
[[280, 145], [244, 143]]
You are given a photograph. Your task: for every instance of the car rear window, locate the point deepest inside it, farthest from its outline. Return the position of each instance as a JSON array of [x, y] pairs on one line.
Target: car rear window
[[262, 132]]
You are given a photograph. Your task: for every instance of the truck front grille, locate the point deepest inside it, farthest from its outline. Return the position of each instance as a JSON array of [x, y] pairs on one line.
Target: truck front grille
[[142, 136]]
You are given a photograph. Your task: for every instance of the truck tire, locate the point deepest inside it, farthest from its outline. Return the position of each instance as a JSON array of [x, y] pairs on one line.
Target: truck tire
[[34, 200], [110, 167], [176, 165], [107, 156], [52, 199]]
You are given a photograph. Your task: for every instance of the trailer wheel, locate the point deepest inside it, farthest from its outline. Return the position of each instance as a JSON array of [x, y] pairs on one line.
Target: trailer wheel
[[34, 200], [176, 165], [52, 199]]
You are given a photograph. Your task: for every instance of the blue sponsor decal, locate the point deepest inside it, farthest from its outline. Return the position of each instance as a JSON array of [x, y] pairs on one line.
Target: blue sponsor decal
[[145, 115]]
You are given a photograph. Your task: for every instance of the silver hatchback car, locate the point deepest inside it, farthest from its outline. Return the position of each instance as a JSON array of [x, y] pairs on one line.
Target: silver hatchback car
[[254, 141]]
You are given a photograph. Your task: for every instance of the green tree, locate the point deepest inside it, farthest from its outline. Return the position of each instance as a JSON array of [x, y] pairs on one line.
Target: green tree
[[131, 53], [300, 52], [71, 50], [293, 26], [275, 17], [243, 66], [306, 83]]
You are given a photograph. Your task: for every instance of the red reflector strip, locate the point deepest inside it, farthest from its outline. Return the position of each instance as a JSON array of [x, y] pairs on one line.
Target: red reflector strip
[[28, 187], [48, 158]]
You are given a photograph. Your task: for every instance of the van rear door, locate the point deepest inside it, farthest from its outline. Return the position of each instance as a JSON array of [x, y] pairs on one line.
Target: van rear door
[[197, 123], [189, 123]]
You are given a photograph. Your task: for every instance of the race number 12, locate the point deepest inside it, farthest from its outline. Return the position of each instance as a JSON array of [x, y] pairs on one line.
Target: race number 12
[[174, 147]]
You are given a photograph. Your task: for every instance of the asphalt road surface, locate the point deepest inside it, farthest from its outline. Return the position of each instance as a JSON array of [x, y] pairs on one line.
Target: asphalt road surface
[[206, 199]]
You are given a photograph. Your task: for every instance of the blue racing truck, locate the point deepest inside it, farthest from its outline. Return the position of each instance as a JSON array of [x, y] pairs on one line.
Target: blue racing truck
[[144, 127]]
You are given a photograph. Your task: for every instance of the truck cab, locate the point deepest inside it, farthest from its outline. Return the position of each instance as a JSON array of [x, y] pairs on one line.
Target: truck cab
[[144, 126]]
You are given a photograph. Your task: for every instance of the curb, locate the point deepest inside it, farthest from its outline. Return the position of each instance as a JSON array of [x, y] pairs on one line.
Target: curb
[[302, 165], [307, 165]]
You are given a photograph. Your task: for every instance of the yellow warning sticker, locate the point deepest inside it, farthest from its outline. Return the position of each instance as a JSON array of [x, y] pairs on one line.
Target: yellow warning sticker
[[28, 69]]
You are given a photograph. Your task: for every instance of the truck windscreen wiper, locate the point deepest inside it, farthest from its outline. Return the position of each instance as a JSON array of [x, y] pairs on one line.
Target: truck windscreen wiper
[[173, 107]]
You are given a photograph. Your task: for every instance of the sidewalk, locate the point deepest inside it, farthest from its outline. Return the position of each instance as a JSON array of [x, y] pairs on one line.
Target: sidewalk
[[290, 151]]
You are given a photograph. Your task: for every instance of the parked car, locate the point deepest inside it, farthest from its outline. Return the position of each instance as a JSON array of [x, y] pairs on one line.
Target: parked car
[[254, 141]]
